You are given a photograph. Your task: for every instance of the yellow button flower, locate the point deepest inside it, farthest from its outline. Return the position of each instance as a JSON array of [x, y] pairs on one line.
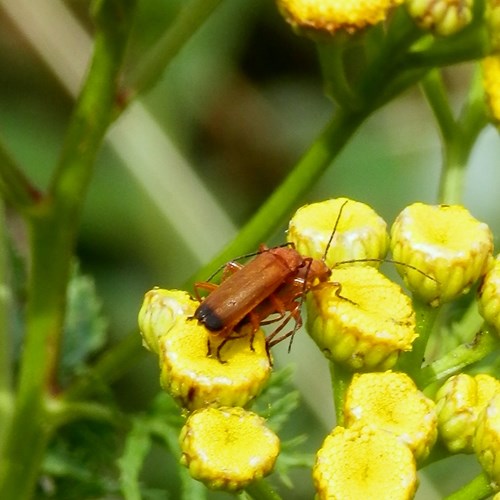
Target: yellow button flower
[[196, 380], [333, 15], [359, 232], [159, 312], [491, 84], [487, 440], [228, 448], [447, 248], [361, 319], [443, 17], [392, 402], [458, 404], [364, 462], [489, 296]]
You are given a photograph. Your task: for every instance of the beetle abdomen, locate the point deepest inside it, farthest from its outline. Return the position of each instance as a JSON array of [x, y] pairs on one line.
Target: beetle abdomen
[[204, 314]]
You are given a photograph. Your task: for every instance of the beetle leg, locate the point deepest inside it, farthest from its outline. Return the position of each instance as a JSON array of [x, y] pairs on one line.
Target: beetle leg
[[230, 268], [203, 285]]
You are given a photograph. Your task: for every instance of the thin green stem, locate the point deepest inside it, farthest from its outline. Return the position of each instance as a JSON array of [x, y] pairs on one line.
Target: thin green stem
[[340, 379], [411, 362], [190, 18], [479, 488], [484, 343], [53, 233], [260, 490], [434, 90], [331, 58]]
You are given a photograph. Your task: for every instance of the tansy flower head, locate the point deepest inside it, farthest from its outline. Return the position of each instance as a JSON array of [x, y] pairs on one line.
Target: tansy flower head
[[458, 404], [228, 448], [443, 17], [364, 462], [489, 295], [392, 402], [332, 15], [447, 249], [196, 380], [487, 440], [491, 83], [361, 319], [359, 232], [492, 17], [159, 312]]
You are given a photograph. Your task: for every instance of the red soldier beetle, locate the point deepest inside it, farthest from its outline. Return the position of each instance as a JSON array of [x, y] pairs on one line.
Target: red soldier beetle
[[273, 283]]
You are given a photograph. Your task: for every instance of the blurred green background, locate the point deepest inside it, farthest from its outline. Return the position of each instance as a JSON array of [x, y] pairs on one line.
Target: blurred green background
[[193, 160]]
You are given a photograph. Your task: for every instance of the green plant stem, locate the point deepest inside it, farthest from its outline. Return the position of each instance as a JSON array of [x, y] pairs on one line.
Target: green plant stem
[[477, 489], [484, 343], [190, 18], [411, 362], [53, 228], [340, 380], [260, 490], [458, 136]]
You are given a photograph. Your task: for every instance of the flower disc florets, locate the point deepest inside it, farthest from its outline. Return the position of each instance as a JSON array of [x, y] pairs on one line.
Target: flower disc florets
[[491, 83], [458, 404], [228, 448], [159, 312], [196, 380], [487, 440], [489, 296], [333, 15], [443, 17], [361, 319], [392, 402], [364, 462], [444, 248], [359, 232]]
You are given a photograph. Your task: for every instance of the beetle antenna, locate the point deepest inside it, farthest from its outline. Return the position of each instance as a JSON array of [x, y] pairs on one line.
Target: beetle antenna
[[329, 244], [391, 261]]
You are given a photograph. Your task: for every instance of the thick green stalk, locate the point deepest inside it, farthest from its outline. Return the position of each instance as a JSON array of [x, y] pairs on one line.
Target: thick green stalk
[[478, 489], [53, 228]]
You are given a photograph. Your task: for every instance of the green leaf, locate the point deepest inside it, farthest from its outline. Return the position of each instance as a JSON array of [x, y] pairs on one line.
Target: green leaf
[[85, 327], [137, 446]]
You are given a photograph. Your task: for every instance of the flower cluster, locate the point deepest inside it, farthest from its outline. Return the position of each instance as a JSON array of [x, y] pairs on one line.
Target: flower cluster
[[223, 445], [389, 426], [361, 321]]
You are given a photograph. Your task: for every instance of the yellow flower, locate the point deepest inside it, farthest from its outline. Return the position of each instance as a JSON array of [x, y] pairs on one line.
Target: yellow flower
[[228, 448], [364, 462], [359, 232], [333, 15], [391, 402], [443, 17], [160, 311], [196, 380], [491, 83], [447, 248], [487, 440], [458, 404], [489, 296], [492, 16], [361, 319]]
